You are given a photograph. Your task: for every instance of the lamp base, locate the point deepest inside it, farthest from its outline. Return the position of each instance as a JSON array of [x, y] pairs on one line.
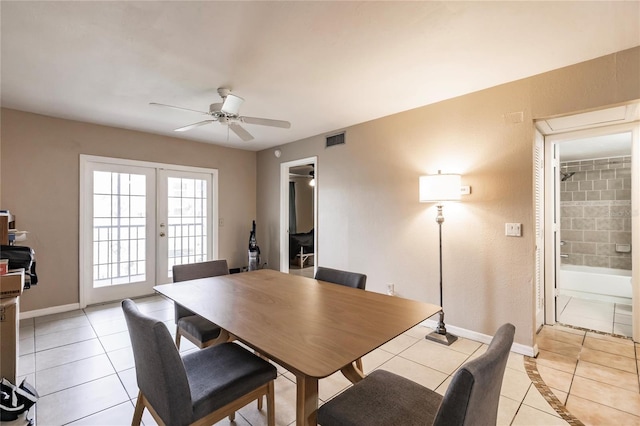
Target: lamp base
[[444, 339], [440, 335]]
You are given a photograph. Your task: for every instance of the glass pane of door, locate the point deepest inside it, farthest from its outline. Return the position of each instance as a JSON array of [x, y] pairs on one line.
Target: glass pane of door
[[119, 221], [185, 221]]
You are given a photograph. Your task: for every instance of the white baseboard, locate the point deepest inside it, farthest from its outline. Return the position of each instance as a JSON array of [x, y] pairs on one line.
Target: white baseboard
[[49, 311], [482, 338]]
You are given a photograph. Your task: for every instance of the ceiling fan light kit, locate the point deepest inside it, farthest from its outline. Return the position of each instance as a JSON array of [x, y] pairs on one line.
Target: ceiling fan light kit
[[226, 112]]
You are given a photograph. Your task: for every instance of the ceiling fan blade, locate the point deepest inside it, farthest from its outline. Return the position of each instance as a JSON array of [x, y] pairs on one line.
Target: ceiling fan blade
[[176, 107], [240, 131], [266, 122], [193, 126], [231, 104]]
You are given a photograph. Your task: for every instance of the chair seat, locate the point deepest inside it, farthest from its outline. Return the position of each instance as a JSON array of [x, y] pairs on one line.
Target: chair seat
[[223, 373], [382, 398], [200, 328]]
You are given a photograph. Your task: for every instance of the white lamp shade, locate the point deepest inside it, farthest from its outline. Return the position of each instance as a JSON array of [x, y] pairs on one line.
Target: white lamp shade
[[440, 187]]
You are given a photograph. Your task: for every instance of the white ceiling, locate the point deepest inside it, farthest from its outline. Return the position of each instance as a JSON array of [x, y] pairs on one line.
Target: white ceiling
[[591, 148], [322, 66]]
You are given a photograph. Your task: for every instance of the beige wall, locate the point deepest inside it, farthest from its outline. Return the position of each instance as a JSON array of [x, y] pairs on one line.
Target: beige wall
[[370, 220], [40, 184]]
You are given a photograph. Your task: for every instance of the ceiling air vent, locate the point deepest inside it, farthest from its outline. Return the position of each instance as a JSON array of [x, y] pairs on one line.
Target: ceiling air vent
[[335, 140]]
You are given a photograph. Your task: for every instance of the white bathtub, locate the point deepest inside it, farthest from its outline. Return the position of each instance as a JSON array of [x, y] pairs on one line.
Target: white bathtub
[[611, 285]]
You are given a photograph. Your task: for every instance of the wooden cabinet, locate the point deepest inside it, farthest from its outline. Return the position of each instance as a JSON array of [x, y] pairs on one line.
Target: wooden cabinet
[[9, 329], [10, 287], [4, 230]]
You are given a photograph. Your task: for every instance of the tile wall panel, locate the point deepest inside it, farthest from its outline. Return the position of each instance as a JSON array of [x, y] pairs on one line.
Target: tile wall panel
[[595, 211]]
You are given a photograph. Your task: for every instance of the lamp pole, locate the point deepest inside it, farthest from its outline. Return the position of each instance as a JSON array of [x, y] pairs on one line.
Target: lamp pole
[[440, 334]]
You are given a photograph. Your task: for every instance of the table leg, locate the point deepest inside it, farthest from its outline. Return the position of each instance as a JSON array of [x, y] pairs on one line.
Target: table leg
[[306, 401], [352, 373]]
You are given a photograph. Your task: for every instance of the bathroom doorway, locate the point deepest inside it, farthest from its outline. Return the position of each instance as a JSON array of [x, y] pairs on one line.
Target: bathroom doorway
[[591, 221], [594, 280]]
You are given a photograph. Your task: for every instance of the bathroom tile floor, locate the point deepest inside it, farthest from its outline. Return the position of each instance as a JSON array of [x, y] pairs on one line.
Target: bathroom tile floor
[[612, 318], [594, 376], [82, 365]]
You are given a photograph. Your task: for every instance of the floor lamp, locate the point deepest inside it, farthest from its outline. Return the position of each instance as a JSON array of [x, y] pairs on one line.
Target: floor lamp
[[436, 189]]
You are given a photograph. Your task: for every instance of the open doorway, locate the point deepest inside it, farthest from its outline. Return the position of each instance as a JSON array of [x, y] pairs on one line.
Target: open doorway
[[298, 217], [591, 277], [594, 279]]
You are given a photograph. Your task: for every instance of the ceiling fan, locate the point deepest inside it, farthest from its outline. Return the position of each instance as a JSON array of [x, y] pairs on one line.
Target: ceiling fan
[[227, 112]]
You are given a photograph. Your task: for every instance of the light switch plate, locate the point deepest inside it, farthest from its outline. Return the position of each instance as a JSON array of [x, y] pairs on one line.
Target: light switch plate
[[513, 229]]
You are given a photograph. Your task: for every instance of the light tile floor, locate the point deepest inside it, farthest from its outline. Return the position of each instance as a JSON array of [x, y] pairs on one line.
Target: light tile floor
[[613, 318], [82, 365]]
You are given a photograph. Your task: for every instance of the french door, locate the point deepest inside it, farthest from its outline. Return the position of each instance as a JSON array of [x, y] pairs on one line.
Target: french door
[[138, 219]]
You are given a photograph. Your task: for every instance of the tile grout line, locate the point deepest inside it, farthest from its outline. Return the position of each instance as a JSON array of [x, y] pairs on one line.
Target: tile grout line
[[531, 368]]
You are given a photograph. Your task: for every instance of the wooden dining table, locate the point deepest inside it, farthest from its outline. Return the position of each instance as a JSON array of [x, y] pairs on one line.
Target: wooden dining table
[[309, 327]]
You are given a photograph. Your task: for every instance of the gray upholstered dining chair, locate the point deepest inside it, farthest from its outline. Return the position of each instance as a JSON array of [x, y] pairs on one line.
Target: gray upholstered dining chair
[[345, 278], [336, 276], [384, 398], [199, 331], [201, 387]]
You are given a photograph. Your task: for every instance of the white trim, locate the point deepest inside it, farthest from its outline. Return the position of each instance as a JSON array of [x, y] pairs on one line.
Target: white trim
[[49, 311], [482, 338], [137, 163], [539, 205]]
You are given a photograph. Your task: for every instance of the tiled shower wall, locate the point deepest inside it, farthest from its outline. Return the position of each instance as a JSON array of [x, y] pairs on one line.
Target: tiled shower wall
[[595, 212]]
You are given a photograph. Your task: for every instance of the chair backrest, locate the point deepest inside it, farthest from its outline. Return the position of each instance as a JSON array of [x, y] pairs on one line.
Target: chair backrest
[[159, 369], [473, 395], [349, 279], [193, 271]]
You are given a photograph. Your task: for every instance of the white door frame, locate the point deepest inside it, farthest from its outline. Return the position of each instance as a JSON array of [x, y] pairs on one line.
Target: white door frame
[[284, 210], [552, 206], [539, 203]]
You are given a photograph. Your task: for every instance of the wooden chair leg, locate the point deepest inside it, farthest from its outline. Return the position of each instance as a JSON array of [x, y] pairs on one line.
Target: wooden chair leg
[[232, 417], [359, 364], [177, 337], [137, 413], [271, 405], [260, 398]]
